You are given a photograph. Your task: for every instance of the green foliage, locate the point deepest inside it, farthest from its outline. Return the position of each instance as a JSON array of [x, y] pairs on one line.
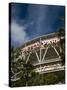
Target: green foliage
[[51, 79]]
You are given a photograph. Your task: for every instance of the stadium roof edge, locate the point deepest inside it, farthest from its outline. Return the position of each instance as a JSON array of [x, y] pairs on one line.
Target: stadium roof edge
[[38, 37]]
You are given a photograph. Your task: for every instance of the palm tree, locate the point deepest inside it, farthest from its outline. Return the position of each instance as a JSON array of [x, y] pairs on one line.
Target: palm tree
[[61, 35], [20, 64], [27, 72]]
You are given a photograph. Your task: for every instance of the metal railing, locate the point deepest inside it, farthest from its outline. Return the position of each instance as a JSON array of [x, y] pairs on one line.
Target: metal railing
[[48, 61]]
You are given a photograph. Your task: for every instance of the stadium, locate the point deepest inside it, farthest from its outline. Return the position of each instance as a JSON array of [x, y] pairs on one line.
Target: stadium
[[43, 53]]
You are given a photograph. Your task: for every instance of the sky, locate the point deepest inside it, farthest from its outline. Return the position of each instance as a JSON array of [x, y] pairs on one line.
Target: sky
[[28, 21]]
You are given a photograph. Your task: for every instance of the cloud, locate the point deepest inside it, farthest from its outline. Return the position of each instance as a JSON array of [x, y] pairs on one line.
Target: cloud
[[18, 34]]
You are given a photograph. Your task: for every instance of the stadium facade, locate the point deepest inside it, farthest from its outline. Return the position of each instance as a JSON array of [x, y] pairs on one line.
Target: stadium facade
[[43, 53]]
